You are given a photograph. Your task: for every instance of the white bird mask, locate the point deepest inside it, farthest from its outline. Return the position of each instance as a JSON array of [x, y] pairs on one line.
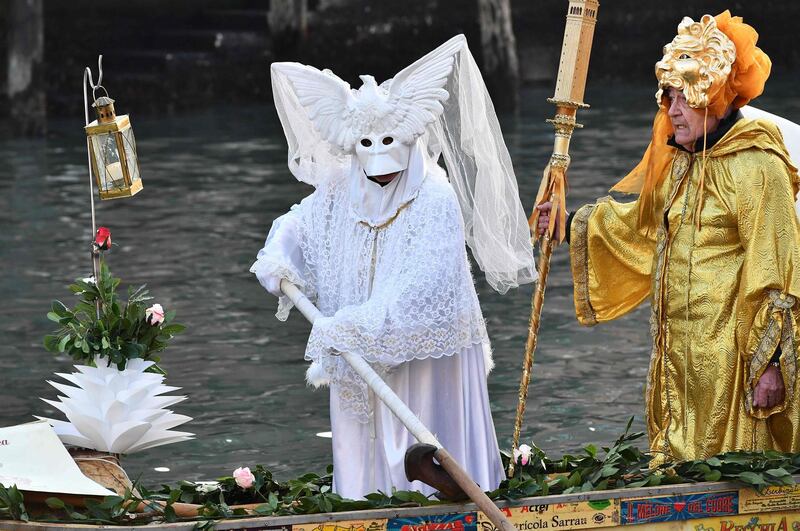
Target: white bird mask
[[377, 123], [437, 107]]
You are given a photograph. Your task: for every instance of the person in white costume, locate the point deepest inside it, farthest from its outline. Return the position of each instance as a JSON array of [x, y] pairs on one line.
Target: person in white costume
[[379, 246]]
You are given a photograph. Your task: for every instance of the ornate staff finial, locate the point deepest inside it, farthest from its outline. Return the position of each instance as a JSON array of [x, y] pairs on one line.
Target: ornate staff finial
[[574, 64]]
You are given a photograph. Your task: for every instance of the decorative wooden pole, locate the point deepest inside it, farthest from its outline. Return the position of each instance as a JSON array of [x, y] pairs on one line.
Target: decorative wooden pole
[[575, 51]]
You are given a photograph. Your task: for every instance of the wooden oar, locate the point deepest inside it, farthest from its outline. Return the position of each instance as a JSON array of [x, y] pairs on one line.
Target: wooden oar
[[405, 415]]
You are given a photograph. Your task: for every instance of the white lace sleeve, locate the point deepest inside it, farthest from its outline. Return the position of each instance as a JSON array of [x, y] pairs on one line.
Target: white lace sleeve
[[282, 255], [422, 302]]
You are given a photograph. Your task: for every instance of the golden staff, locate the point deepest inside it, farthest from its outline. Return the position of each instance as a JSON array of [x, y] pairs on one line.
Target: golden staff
[[570, 85]]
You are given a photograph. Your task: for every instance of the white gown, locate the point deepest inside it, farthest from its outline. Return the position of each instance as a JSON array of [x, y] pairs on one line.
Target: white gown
[[387, 267]]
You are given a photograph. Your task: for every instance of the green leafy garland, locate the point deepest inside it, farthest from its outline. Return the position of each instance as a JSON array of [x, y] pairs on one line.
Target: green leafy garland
[[621, 465], [12, 504], [624, 465], [122, 331]]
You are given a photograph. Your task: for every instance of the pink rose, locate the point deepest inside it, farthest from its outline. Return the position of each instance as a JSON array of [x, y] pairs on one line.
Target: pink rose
[[154, 314], [522, 454], [244, 478]]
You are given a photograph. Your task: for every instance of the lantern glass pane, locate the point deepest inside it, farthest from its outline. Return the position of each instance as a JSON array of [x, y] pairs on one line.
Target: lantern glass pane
[[109, 168], [129, 142]]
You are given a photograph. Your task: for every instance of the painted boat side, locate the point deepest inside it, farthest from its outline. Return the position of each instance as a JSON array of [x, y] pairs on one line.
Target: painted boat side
[[718, 506]]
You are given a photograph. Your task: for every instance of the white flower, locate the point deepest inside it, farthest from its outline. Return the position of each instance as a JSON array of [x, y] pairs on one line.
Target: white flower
[[522, 454], [205, 487], [89, 280]]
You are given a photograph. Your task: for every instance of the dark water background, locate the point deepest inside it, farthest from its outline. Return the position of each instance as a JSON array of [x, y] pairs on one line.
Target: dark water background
[[213, 182]]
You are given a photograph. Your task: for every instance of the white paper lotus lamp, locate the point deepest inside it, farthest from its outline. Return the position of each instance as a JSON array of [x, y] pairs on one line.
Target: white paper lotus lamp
[[120, 412]]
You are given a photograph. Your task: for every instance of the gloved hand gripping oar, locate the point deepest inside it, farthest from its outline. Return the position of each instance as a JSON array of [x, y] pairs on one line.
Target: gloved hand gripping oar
[[404, 414], [577, 46], [420, 465]]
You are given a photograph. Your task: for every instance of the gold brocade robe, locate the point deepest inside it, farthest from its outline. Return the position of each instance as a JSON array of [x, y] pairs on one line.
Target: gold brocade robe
[[723, 297]]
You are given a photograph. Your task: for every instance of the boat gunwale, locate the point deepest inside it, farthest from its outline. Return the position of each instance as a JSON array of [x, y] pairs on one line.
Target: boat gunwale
[[401, 512]]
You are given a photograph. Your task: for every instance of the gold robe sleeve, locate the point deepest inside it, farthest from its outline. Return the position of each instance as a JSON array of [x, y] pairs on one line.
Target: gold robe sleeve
[[611, 260], [769, 286]]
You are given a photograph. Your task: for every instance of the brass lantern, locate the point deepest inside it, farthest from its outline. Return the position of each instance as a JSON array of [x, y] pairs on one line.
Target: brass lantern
[[112, 150]]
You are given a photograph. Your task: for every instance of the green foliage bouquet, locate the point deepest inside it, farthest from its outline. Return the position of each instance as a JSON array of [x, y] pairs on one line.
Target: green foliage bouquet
[[100, 325]]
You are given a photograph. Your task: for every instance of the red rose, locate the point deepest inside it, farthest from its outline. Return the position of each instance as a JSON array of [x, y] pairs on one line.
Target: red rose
[[103, 239]]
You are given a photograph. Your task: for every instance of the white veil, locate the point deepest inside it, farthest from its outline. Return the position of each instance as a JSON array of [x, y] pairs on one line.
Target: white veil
[[468, 138]]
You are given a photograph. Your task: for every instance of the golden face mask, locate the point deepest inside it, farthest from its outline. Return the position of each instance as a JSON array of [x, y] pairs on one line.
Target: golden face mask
[[697, 61]]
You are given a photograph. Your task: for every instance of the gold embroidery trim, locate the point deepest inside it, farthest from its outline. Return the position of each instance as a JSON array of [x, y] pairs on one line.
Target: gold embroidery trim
[[779, 331], [579, 259], [788, 353], [391, 219], [658, 329]]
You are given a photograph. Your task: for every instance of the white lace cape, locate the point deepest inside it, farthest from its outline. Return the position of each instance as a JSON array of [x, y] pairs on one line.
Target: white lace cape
[[390, 294]]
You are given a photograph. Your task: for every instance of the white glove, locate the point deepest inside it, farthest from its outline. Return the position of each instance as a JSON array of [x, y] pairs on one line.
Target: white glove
[[271, 283]]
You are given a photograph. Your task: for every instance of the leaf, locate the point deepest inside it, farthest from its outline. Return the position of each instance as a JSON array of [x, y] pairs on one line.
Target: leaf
[[55, 503], [777, 472], [63, 343], [736, 458], [608, 471], [172, 329], [169, 514], [51, 342], [712, 475], [752, 478], [85, 307], [628, 426], [591, 450], [174, 496], [53, 316], [58, 307], [110, 502]]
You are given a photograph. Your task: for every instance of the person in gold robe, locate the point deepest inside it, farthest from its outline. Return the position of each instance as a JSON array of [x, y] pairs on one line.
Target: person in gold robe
[[713, 241]]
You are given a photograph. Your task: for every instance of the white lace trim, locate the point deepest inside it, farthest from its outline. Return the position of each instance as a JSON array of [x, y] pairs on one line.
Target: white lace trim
[[390, 294], [271, 266]]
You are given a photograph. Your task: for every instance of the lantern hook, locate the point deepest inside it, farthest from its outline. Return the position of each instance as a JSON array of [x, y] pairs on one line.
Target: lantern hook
[[99, 73], [99, 84]]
